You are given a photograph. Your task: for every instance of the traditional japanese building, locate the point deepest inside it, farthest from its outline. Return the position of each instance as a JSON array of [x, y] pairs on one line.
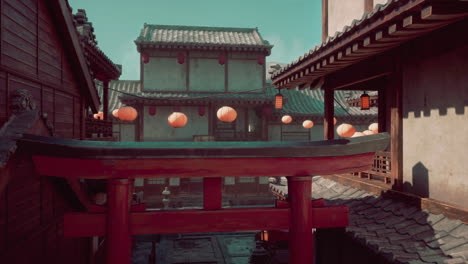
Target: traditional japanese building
[[409, 52], [49, 61]]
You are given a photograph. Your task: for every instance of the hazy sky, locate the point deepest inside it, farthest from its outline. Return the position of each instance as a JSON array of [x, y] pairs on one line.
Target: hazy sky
[[292, 26]]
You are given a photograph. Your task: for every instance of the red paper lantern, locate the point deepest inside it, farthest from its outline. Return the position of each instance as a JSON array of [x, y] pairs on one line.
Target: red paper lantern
[[365, 101], [226, 114], [334, 121], [115, 113], [180, 58], [201, 110], [177, 119], [307, 124], [99, 116], [374, 127], [345, 130], [358, 134], [286, 119], [278, 101], [144, 58], [152, 110], [127, 113], [261, 60], [222, 59]]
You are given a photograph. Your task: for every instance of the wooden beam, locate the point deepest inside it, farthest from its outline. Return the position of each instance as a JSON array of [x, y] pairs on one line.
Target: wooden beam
[[444, 11], [197, 221], [207, 167]]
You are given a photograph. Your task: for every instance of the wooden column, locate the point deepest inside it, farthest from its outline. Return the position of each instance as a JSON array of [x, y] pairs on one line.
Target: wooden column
[[212, 193], [301, 244], [324, 20], [382, 120], [105, 99], [118, 240], [394, 89], [328, 126], [368, 6]]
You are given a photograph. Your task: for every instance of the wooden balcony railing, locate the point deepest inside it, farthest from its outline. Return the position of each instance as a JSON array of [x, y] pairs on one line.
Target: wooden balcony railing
[[381, 168], [98, 129]]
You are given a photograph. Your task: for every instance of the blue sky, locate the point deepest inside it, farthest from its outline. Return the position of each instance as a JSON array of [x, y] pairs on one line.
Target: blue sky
[[292, 26]]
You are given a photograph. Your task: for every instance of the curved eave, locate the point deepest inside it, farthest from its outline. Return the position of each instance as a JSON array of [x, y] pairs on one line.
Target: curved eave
[[59, 147], [202, 46], [108, 160]]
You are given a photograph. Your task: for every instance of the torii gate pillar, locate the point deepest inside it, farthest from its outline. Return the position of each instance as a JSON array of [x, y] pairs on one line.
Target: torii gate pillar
[[301, 244], [118, 241]]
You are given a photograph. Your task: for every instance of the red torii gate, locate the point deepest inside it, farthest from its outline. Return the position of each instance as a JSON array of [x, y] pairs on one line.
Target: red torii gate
[[120, 162]]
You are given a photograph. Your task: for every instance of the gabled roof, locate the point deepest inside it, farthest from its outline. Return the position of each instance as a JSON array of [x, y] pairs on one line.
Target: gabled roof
[[397, 231], [166, 36], [64, 20]]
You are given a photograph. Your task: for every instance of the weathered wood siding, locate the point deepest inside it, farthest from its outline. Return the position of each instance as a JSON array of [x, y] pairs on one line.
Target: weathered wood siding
[[34, 57], [31, 209]]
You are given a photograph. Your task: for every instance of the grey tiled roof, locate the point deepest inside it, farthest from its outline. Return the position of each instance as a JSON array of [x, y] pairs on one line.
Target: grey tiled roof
[[398, 231], [379, 9], [195, 36]]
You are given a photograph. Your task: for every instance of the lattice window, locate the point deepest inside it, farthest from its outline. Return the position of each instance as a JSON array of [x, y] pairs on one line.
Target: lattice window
[[157, 181], [246, 179]]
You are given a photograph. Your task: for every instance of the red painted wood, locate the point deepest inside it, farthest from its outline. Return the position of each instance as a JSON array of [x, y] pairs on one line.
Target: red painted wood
[[212, 193], [197, 221], [118, 222], [198, 167], [301, 243]]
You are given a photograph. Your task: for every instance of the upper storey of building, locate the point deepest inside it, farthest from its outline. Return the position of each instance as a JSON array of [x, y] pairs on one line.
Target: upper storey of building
[[338, 13], [202, 59]]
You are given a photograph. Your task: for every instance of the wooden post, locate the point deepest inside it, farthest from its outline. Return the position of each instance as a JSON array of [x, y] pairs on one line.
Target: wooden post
[[324, 20], [301, 244], [105, 99], [396, 122], [212, 193], [118, 249], [368, 6], [328, 126], [382, 120]]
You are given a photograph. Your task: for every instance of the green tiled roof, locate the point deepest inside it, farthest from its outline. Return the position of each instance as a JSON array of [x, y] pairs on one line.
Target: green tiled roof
[[201, 36]]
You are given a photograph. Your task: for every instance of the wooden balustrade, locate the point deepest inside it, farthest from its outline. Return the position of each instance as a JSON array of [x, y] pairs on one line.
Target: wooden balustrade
[[381, 168]]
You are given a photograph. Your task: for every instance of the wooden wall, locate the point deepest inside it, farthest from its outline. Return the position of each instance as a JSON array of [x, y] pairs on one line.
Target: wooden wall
[[31, 211], [34, 57]]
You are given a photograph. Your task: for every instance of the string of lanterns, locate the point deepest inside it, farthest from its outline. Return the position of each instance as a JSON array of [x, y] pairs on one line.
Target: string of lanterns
[[228, 114]]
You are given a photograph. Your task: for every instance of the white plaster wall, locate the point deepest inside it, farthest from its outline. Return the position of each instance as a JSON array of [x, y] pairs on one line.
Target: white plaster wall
[[435, 126], [342, 12], [127, 132]]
